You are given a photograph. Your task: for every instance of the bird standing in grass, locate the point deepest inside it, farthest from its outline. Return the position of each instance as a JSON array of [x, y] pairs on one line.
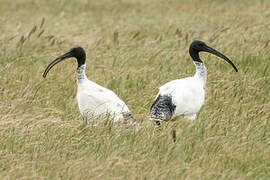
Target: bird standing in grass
[[93, 99], [184, 96]]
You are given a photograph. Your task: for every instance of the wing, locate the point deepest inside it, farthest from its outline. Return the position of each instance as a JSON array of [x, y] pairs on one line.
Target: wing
[[163, 107], [99, 100], [175, 98], [187, 95]]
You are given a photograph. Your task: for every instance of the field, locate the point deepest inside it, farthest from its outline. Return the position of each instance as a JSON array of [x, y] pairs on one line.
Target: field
[[133, 47]]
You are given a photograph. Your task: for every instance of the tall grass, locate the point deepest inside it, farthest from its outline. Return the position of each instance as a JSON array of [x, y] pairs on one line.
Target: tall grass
[[133, 47]]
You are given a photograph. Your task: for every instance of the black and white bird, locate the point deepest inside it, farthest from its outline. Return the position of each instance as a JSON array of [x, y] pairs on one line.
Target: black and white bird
[[185, 96], [93, 99]]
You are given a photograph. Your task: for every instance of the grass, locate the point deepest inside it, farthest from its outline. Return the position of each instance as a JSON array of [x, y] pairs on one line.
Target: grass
[[133, 47]]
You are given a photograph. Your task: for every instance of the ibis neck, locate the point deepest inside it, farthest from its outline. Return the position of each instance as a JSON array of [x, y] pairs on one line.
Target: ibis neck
[[201, 73], [81, 73], [194, 55]]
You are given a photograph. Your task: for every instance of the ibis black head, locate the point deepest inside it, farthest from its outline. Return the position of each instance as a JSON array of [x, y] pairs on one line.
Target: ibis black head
[[199, 46], [76, 52]]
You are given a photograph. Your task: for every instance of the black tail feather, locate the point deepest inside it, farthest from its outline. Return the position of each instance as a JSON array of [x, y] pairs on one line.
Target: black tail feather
[[162, 109]]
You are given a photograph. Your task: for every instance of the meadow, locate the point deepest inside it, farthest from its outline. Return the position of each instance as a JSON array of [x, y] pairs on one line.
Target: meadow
[[133, 47]]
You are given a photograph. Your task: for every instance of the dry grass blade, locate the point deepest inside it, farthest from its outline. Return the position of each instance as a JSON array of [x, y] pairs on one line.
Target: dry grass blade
[[173, 135], [53, 41], [187, 39], [266, 43], [25, 90], [22, 40], [115, 37], [214, 36], [225, 29], [33, 30], [49, 37], [40, 33], [136, 34], [179, 33], [13, 37], [42, 23]]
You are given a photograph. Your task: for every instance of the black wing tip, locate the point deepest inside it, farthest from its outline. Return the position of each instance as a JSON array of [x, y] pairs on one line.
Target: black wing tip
[[163, 108]]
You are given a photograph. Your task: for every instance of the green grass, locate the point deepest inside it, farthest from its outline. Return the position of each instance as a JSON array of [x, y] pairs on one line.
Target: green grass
[[42, 135]]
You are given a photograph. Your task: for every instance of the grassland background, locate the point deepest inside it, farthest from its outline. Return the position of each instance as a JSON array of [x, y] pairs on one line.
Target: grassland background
[[42, 134]]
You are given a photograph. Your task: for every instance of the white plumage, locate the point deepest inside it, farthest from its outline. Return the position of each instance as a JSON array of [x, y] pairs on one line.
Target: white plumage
[[187, 95], [93, 99], [184, 96]]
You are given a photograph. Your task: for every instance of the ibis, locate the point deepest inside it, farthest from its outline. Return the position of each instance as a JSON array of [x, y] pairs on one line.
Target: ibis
[[93, 99], [185, 97]]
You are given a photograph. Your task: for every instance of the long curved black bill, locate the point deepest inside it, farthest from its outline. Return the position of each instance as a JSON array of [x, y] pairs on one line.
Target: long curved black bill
[[215, 52], [56, 61]]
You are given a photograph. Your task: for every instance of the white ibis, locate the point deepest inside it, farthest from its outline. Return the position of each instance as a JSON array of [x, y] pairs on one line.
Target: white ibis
[[184, 96], [93, 99]]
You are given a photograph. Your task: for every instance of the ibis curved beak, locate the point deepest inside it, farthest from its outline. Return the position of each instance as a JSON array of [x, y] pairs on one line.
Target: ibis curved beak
[[215, 52], [56, 61]]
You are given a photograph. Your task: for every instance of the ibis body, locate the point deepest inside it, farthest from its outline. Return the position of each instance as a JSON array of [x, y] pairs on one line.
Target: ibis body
[[93, 99], [184, 96]]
